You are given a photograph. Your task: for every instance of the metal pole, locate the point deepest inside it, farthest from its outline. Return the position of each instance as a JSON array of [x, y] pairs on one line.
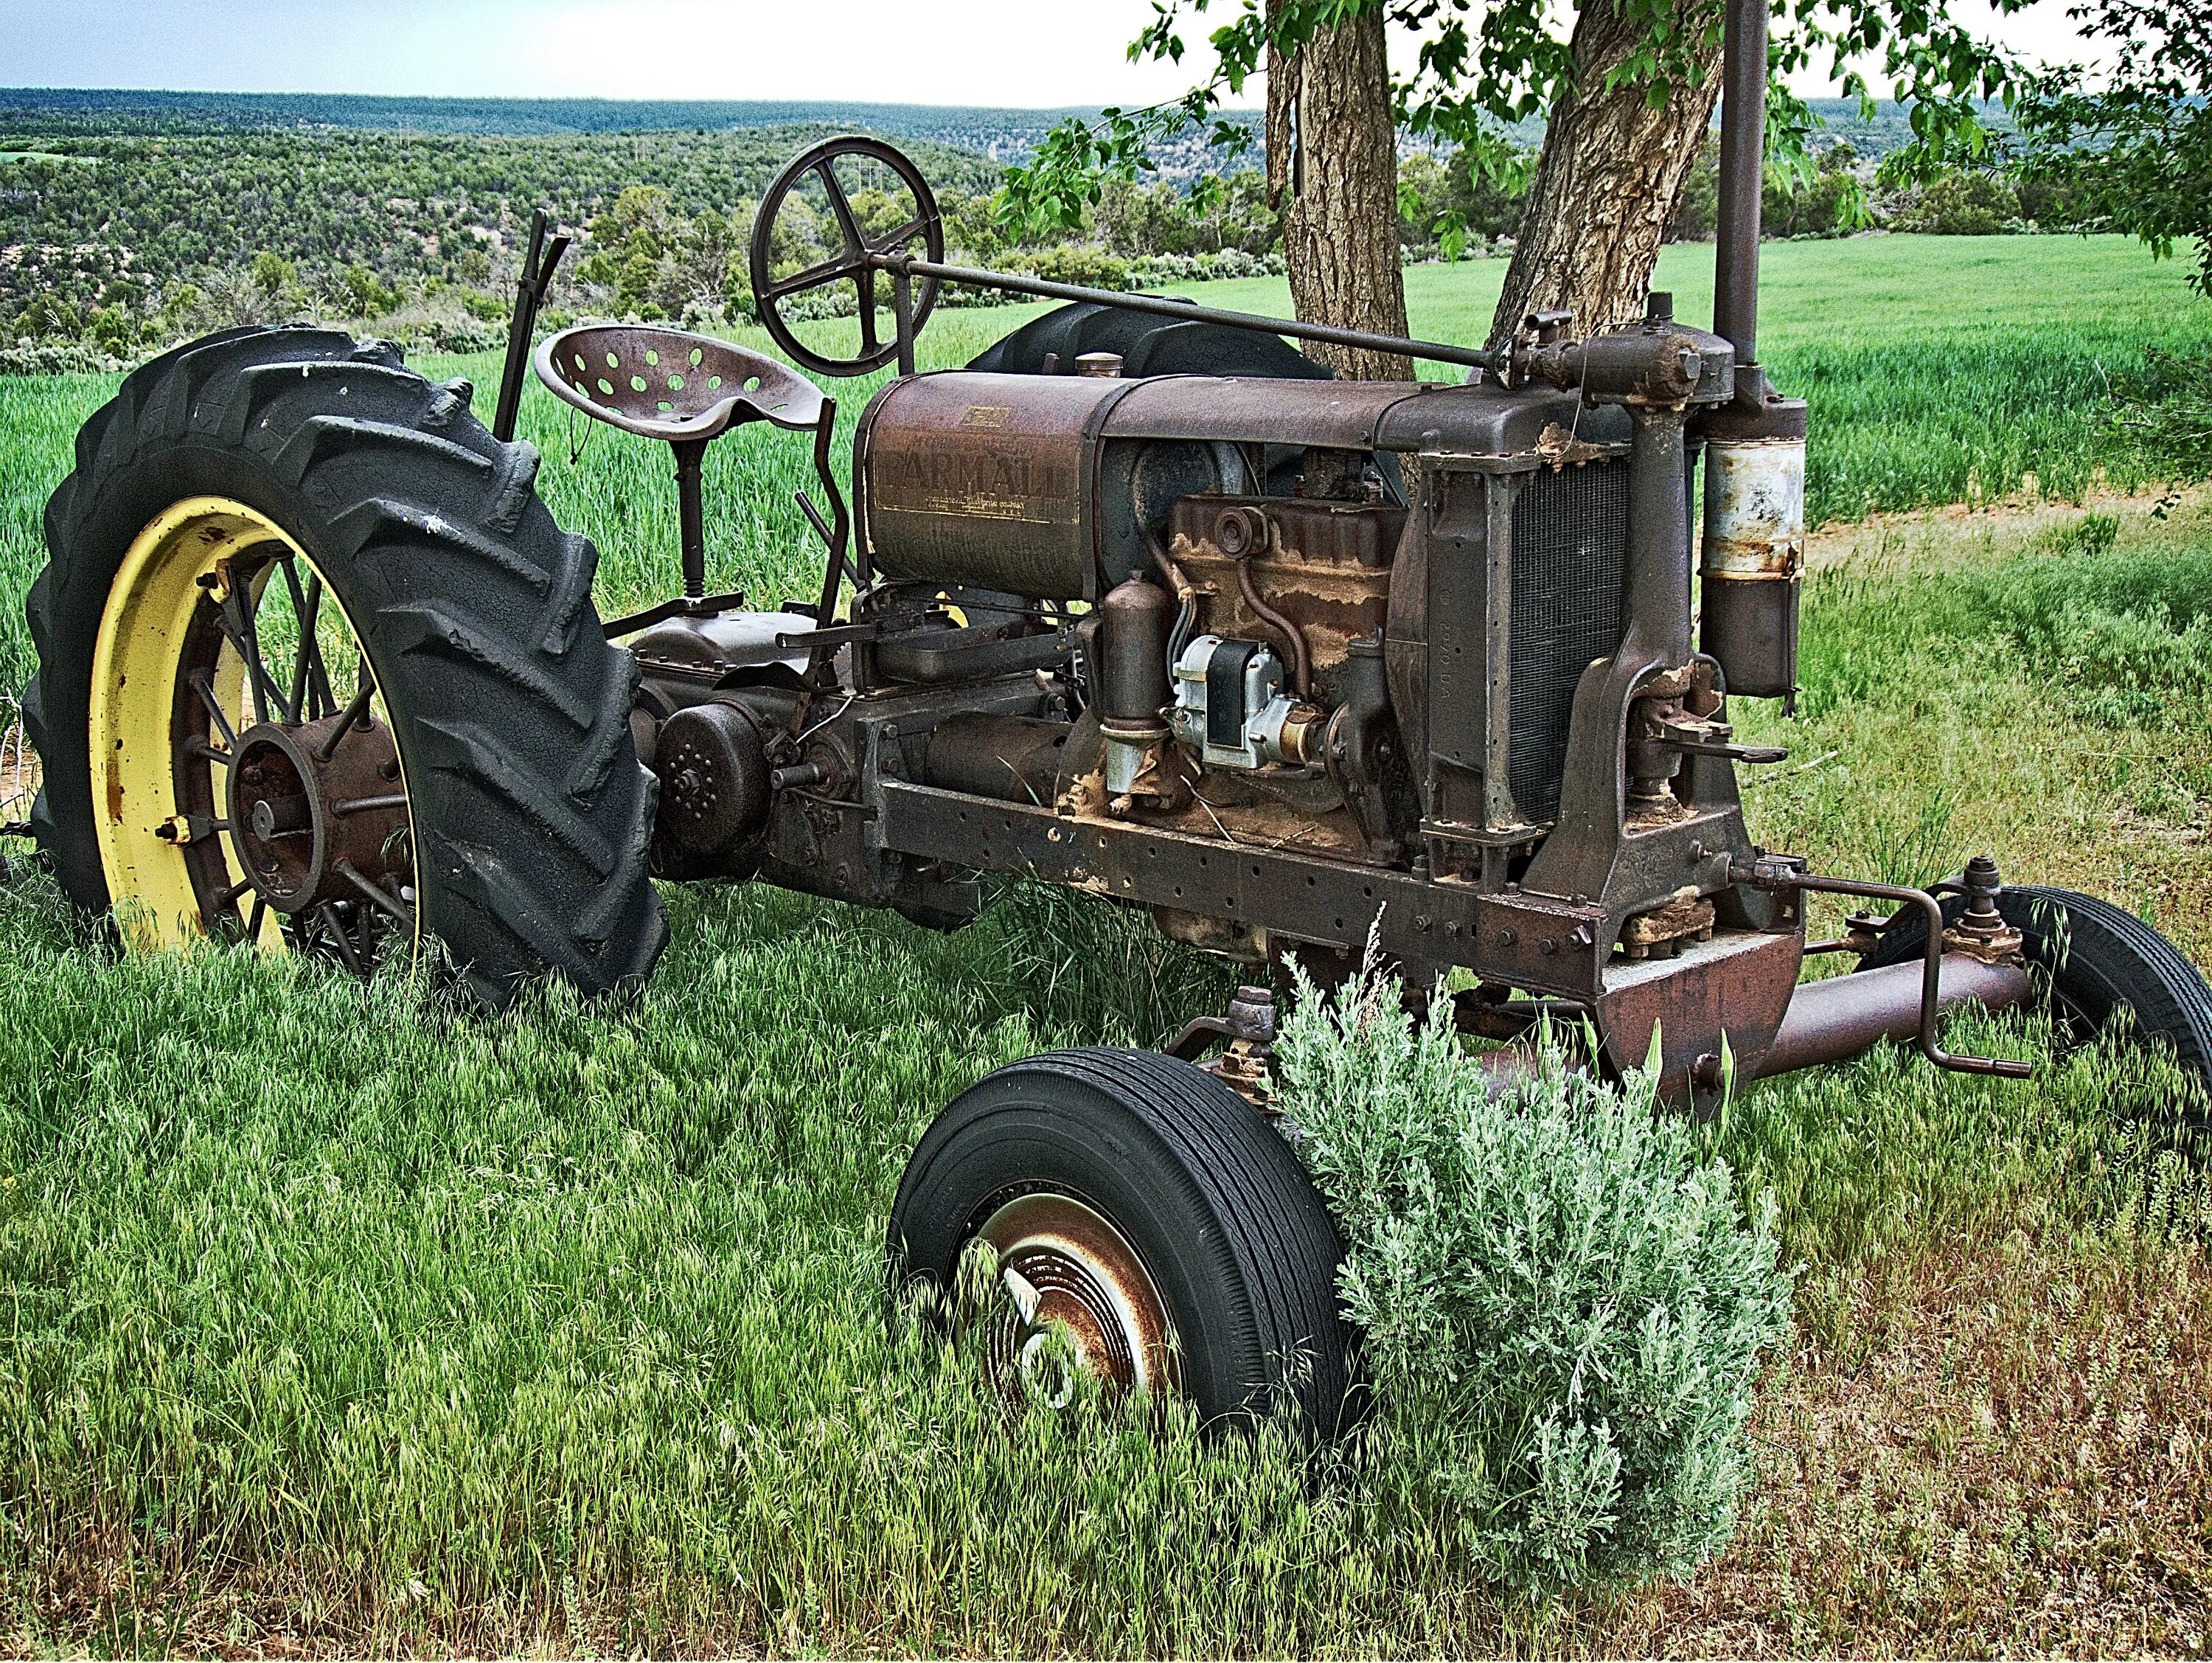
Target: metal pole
[[1743, 149], [538, 261], [1167, 306], [691, 515]]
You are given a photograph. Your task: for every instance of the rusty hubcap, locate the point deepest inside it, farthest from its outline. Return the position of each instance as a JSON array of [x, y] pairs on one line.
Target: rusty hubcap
[[1078, 1297], [308, 827]]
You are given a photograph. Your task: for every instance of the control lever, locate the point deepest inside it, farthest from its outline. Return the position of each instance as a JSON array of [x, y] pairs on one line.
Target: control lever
[[1710, 739], [1702, 747]]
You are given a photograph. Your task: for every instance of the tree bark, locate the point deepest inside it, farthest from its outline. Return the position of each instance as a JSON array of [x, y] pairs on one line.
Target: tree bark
[[1332, 177], [1607, 181]]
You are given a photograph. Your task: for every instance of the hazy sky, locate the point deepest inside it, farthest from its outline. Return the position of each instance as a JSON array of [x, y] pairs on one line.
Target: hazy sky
[[1035, 53]]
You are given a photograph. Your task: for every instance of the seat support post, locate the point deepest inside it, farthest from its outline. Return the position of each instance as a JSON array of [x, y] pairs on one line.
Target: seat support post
[[691, 515]]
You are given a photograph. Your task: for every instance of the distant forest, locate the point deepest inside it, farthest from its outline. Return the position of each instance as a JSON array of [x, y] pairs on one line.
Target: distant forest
[[131, 220], [1002, 134]]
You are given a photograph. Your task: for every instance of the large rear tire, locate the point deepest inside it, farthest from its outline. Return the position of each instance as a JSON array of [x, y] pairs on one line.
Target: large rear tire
[[516, 823], [1146, 344], [1147, 1210]]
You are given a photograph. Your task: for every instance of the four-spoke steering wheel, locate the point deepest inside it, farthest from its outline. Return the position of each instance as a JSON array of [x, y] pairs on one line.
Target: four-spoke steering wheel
[[855, 262]]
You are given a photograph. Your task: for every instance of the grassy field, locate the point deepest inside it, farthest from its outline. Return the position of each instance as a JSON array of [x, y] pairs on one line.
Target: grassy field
[[339, 1319]]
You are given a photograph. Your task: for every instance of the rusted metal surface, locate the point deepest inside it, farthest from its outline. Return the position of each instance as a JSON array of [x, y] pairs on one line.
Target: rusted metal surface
[[1657, 362], [1168, 306], [308, 828], [1686, 917], [1787, 873], [1840, 1017], [1743, 141], [1247, 1032], [1321, 568], [541, 259], [1736, 985], [1287, 893], [1076, 1296], [861, 256], [713, 766], [1981, 931], [1752, 558], [986, 480], [671, 384], [1012, 759], [1334, 415], [1542, 943], [1131, 659]]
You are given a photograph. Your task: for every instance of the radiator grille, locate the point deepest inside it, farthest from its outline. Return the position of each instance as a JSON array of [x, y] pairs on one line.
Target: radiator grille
[[1570, 536]]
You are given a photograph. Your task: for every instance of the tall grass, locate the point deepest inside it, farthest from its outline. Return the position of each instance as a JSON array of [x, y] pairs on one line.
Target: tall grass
[[1939, 370], [335, 1318]]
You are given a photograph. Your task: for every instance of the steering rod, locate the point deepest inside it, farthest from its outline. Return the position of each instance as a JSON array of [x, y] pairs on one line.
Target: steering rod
[[1168, 306]]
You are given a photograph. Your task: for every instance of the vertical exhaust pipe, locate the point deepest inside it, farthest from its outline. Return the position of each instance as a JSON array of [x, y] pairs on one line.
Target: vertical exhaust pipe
[[1743, 153], [1752, 564]]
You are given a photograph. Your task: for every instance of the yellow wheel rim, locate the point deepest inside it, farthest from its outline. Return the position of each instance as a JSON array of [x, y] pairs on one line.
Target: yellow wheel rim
[[172, 701]]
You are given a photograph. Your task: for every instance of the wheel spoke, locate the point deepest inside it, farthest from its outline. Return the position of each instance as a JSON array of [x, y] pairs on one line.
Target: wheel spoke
[[326, 917], [245, 638], [866, 282], [309, 678], [204, 685], [356, 710], [899, 238], [814, 277], [382, 899], [254, 921], [848, 221]]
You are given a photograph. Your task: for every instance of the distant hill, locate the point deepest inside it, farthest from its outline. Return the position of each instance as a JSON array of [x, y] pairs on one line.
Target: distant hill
[[1002, 134], [34, 109]]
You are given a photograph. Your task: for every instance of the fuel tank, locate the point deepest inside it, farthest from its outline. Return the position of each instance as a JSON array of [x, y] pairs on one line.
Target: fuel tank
[[1052, 486], [986, 480]]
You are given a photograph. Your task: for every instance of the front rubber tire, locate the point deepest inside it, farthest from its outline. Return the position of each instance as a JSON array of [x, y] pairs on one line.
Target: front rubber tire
[[1231, 1228], [532, 814], [2099, 959]]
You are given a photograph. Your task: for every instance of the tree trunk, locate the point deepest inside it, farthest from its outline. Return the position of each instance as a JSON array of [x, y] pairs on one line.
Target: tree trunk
[[1332, 177], [1606, 181]]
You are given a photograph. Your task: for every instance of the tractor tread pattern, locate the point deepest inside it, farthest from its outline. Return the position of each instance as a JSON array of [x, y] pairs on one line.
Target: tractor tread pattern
[[532, 815]]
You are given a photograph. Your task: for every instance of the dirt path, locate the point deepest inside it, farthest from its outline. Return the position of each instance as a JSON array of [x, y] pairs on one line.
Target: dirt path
[[2001, 527]]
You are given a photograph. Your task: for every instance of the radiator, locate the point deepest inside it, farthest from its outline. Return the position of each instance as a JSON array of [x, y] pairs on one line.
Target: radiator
[[1569, 546]]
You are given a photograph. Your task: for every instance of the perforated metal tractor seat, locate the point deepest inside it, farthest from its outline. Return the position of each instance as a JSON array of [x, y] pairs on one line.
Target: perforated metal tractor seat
[[687, 389], [671, 384]]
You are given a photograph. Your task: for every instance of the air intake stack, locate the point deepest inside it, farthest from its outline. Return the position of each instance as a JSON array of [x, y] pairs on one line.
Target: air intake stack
[[1754, 550]]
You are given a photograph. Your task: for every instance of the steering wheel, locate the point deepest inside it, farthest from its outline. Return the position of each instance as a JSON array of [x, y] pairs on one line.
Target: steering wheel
[[855, 262]]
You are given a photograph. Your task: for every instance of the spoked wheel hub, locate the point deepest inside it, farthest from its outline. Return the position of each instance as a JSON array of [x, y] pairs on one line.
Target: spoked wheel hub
[[1078, 1298], [245, 796], [317, 815]]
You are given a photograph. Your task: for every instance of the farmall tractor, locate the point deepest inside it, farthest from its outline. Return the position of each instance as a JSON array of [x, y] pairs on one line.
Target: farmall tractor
[[1141, 602]]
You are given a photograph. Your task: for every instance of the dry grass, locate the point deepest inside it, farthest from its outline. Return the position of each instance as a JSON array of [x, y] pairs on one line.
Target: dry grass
[[2013, 1459]]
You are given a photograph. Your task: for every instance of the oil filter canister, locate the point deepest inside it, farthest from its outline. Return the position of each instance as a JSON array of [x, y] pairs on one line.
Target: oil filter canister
[[1752, 565]]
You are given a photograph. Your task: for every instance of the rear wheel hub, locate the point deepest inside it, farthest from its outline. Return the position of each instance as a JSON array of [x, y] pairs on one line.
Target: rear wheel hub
[[314, 811]]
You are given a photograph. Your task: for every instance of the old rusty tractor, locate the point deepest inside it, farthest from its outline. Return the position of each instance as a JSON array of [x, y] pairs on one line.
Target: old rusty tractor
[[1142, 602]]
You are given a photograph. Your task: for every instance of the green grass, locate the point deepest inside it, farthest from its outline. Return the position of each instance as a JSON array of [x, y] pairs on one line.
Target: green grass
[[1939, 370], [338, 1318]]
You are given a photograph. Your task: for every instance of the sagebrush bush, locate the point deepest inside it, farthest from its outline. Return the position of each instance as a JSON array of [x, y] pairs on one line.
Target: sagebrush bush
[[1563, 1304]]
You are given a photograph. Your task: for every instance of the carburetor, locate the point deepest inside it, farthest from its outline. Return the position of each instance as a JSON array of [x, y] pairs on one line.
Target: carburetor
[[1230, 707]]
